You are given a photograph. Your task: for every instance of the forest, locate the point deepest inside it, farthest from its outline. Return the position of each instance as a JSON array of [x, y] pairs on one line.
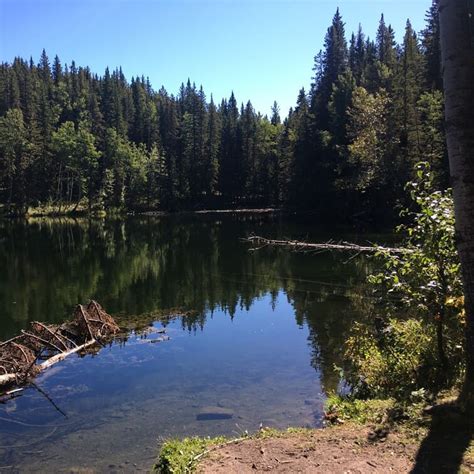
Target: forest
[[71, 140]]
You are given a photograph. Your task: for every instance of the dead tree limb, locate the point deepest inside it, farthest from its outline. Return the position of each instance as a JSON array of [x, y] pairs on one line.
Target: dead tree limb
[[21, 357], [296, 245], [41, 340], [59, 357], [81, 311], [53, 334], [12, 378]]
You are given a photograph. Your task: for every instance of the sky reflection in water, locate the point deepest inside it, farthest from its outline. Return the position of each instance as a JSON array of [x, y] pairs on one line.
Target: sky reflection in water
[[266, 334]]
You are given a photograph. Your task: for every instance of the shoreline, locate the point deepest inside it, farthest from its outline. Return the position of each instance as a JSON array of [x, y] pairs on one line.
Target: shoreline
[[433, 439], [156, 213]]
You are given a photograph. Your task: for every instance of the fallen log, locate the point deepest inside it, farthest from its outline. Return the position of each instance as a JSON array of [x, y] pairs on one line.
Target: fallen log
[[298, 245], [20, 355], [61, 356]]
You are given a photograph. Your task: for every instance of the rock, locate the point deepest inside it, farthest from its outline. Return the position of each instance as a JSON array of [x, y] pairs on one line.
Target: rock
[[214, 413]]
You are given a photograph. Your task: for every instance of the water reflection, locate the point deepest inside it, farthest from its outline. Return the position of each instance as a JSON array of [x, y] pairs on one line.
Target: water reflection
[[262, 322]]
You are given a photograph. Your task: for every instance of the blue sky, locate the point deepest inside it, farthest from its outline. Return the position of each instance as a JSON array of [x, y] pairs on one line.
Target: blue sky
[[261, 49]]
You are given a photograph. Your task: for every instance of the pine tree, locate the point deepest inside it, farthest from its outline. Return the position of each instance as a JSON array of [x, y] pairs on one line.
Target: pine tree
[[248, 127], [276, 119], [303, 165], [285, 159], [408, 89], [229, 178], [212, 149], [386, 54], [330, 65], [358, 56], [432, 138], [168, 125], [57, 71], [200, 140], [14, 160], [431, 43]]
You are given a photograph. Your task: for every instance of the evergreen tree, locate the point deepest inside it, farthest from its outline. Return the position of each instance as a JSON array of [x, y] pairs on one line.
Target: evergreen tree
[[212, 149], [328, 67], [408, 89], [100, 139], [276, 119], [358, 56], [431, 43], [432, 138], [14, 160], [386, 54], [229, 179]]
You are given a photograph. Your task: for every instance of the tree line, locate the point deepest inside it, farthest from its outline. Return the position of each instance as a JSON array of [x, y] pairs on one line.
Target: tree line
[[374, 108]]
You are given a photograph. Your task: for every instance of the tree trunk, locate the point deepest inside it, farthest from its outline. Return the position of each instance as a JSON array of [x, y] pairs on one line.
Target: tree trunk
[[458, 74]]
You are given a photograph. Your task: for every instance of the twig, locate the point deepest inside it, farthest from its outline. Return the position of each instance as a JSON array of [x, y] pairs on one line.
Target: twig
[[67, 339], [25, 376], [9, 340], [22, 350], [43, 341], [54, 334], [213, 448], [81, 309], [50, 400]]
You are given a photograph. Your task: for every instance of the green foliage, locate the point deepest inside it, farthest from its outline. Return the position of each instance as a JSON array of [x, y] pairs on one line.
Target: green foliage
[[418, 342], [178, 456], [341, 151], [433, 142], [75, 162], [359, 411], [368, 130], [426, 276], [14, 156], [393, 362]]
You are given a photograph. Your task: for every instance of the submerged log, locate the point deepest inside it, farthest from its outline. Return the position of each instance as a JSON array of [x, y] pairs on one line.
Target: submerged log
[[214, 413], [19, 356], [297, 245]]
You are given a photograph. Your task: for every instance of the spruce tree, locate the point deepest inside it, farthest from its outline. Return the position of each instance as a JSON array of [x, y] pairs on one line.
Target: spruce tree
[[275, 119], [212, 149], [330, 65], [431, 43], [408, 89]]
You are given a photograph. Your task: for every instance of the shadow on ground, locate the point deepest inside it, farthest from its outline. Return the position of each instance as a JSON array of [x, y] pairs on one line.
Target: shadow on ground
[[449, 437]]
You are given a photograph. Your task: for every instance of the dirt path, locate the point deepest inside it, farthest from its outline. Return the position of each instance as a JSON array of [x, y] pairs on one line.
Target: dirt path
[[337, 450]]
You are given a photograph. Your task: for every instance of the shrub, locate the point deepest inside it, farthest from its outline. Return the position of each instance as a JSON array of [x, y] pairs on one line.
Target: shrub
[[416, 340], [393, 361]]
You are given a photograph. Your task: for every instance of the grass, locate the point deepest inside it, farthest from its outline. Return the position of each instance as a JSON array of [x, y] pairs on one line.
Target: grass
[[182, 455], [358, 411], [442, 437]]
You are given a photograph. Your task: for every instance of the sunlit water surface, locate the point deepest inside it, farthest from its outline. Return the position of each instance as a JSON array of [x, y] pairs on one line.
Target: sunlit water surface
[[265, 334]]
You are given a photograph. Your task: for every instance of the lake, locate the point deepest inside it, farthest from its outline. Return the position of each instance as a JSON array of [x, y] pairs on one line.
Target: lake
[[261, 340]]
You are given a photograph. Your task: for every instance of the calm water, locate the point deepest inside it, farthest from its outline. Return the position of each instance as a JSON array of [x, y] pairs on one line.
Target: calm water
[[267, 332]]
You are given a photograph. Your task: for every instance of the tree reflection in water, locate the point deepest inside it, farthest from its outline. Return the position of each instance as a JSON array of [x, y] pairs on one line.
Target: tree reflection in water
[[141, 265]]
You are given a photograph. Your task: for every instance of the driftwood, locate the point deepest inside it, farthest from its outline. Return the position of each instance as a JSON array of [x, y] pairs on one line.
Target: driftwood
[[296, 245], [20, 356]]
